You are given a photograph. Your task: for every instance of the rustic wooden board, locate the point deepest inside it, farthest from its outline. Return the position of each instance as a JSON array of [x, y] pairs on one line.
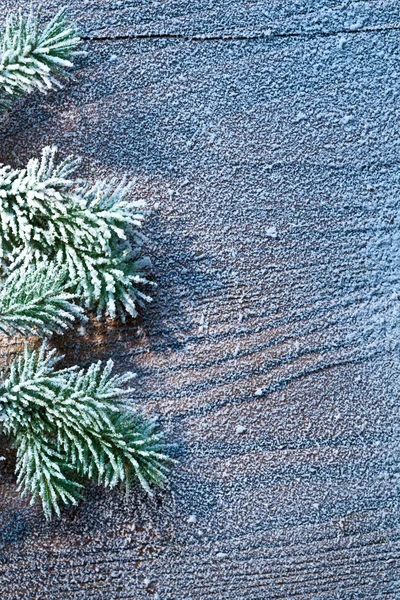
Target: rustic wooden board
[[265, 138]]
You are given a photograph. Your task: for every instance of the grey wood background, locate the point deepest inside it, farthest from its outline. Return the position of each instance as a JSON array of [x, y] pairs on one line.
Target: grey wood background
[[264, 136]]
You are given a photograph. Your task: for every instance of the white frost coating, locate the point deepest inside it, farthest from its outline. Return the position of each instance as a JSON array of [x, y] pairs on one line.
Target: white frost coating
[[317, 302]]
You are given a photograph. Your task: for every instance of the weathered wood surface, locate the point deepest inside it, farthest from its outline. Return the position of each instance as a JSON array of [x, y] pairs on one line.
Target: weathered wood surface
[[265, 137]]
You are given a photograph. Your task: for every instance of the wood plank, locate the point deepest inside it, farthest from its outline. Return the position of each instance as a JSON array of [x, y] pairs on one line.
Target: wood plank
[[224, 18], [270, 164]]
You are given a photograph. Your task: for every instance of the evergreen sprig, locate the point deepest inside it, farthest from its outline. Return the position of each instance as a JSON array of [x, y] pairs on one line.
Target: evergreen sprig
[[91, 229], [33, 59], [62, 239], [73, 425], [34, 301]]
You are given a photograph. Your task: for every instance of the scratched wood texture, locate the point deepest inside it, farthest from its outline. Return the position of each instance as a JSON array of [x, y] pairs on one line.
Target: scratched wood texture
[[265, 138]]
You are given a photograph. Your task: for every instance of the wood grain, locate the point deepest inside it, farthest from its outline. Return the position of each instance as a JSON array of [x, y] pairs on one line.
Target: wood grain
[[264, 137]]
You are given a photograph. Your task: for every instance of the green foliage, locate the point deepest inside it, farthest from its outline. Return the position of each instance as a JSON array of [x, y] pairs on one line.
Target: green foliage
[[35, 300], [92, 230], [72, 425], [30, 59], [62, 239]]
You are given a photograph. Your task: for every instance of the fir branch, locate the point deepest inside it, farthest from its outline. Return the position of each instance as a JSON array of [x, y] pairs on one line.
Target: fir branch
[[70, 426], [92, 230], [30, 59], [34, 300], [42, 471], [118, 445]]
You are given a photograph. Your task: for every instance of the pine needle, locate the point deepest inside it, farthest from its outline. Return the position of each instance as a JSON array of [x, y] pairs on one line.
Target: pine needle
[[71, 426], [91, 230], [31, 59], [34, 300]]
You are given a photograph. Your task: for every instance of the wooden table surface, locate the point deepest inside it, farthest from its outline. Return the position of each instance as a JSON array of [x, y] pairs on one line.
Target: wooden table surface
[[264, 136]]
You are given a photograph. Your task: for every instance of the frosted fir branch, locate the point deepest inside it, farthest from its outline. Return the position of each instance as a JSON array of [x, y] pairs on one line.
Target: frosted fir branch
[[92, 230], [73, 425], [33, 59], [34, 301]]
